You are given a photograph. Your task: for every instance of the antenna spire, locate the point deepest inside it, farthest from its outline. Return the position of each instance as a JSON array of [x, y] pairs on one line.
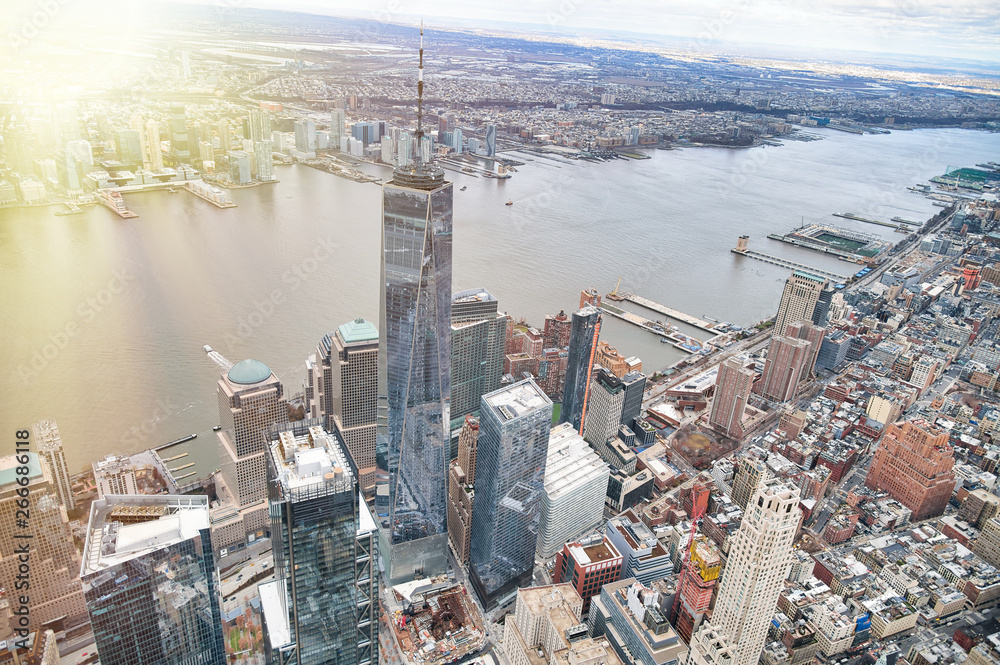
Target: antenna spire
[[420, 99]]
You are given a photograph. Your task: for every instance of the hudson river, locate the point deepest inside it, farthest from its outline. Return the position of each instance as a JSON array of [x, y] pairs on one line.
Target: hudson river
[[104, 319]]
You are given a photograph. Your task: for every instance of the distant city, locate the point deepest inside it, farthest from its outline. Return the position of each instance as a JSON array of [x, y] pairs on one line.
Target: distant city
[[452, 483]]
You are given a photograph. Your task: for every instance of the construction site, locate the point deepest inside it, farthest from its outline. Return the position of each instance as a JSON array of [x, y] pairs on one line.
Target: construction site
[[435, 622]]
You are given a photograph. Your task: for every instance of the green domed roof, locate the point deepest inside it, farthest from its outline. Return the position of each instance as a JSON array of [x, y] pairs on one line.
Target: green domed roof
[[248, 372], [358, 330]]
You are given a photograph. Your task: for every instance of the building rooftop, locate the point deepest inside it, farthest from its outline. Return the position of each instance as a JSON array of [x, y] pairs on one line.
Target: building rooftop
[[473, 295], [124, 527], [249, 372], [309, 459], [516, 400], [358, 330], [8, 469]]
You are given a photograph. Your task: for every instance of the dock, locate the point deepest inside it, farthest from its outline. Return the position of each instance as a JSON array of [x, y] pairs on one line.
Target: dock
[[791, 265], [175, 457], [677, 339], [189, 487], [672, 313], [174, 443], [856, 218], [113, 201], [206, 192], [183, 466]]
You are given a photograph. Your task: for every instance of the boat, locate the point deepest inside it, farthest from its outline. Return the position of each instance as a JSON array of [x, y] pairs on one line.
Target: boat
[[217, 428], [464, 187], [509, 203], [70, 209]]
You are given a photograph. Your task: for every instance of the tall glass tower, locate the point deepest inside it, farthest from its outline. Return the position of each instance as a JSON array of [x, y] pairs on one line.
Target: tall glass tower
[[579, 367], [511, 454], [415, 366]]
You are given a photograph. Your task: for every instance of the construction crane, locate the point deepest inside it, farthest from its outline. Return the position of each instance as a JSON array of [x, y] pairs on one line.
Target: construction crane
[[615, 292], [695, 517], [218, 358]]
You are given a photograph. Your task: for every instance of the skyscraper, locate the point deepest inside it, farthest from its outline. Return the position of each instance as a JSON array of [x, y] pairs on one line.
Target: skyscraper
[[180, 147], [337, 119], [461, 493], [750, 474], [50, 447], [345, 391], [260, 126], [732, 389], [579, 367], [415, 366], [305, 135], [790, 359], [634, 384], [491, 140], [604, 415], [130, 147], [510, 465], [153, 146], [150, 581], [325, 580], [478, 334], [251, 399], [798, 300], [55, 589], [756, 567], [913, 463], [576, 480], [264, 160]]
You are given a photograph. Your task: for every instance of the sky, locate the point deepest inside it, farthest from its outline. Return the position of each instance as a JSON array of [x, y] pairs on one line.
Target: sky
[[964, 29]]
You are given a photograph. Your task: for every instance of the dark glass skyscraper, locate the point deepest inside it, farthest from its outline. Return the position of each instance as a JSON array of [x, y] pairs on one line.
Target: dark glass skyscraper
[[415, 328], [511, 453], [582, 344], [150, 581], [322, 569]]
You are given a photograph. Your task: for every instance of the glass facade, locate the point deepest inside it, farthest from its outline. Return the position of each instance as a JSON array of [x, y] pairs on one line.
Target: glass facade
[[511, 453], [150, 582], [415, 328], [583, 336], [314, 526], [478, 334]]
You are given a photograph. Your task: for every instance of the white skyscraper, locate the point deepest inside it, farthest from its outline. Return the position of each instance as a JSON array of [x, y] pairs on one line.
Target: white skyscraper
[[51, 448], [758, 563]]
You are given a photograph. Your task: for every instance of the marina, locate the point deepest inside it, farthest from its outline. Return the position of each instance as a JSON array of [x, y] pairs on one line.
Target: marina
[[665, 331], [669, 311]]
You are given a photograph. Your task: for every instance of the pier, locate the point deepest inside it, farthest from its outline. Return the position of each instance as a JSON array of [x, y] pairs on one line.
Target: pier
[[113, 201], [785, 263], [679, 340], [206, 192], [174, 443], [898, 221], [672, 313], [175, 457], [183, 466]]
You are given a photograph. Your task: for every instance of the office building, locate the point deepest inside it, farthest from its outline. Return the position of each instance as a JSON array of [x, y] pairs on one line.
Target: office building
[[337, 131], [150, 581], [733, 385], [322, 537], [130, 147], [491, 140], [798, 300], [631, 616], [50, 447], [751, 473], [634, 385], [584, 334], [790, 360], [461, 492], [575, 482], [415, 365], [240, 167], [54, 561], [114, 475], [511, 453], [251, 400], [913, 463], [760, 555], [645, 557], [305, 136], [344, 392], [263, 160], [180, 146], [604, 413], [478, 333], [456, 140], [155, 151], [588, 565], [710, 646]]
